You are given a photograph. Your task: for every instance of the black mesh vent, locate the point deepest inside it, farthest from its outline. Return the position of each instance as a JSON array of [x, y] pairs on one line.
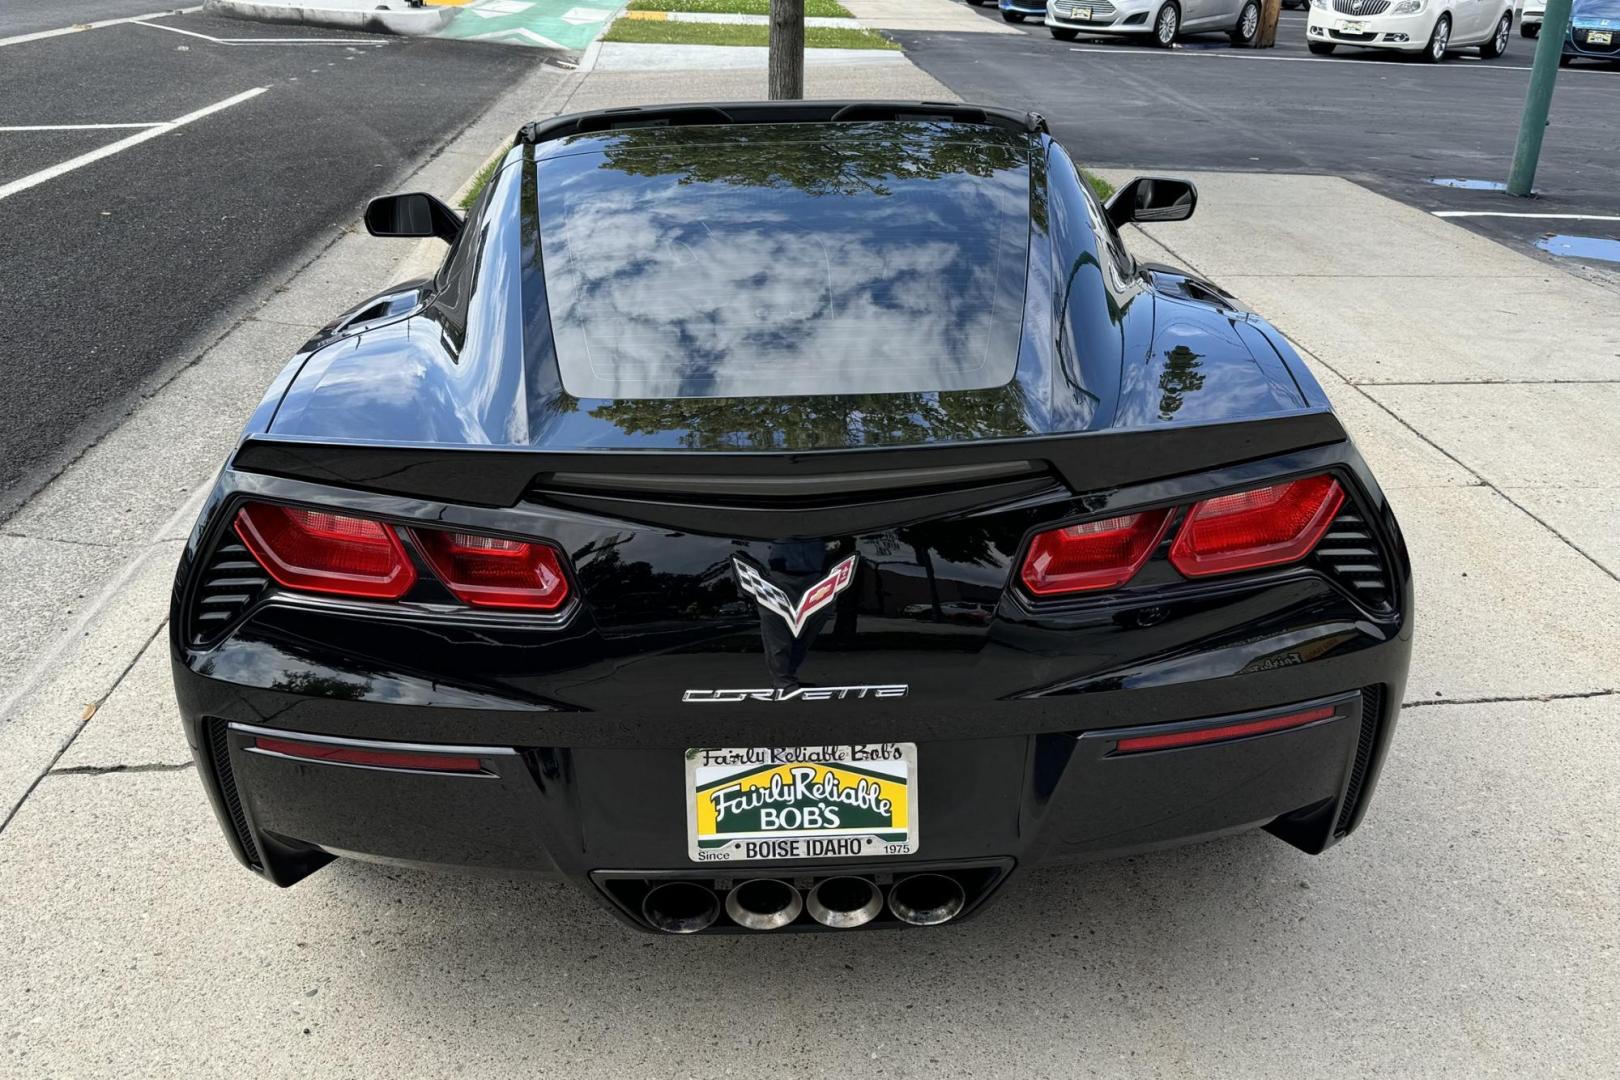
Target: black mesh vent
[[1372, 707], [227, 586], [1350, 554], [219, 752]]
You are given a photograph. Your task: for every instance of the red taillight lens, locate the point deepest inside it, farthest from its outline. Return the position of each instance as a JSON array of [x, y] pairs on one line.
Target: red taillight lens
[[1096, 555], [488, 571], [355, 755], [1225, 731], [1264, 527], [324, 552]]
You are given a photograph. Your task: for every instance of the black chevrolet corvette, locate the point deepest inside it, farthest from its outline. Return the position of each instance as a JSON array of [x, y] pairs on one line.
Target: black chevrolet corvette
[[789, 515]]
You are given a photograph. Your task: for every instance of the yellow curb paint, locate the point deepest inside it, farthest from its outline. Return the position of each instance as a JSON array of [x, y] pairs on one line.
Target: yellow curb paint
[[654, 16]]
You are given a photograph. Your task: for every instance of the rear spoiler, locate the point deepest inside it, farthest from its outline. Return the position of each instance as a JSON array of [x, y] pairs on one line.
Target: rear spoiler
[[783, 485], [776, 112]]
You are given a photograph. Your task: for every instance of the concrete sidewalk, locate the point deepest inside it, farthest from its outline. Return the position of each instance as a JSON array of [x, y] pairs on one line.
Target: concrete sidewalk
[[1470, 929]]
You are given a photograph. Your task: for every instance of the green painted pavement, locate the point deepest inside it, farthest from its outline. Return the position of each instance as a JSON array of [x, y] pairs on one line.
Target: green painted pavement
[[545, 24]]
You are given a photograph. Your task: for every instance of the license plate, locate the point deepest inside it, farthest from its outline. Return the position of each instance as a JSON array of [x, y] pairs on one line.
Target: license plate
[[1598, 37], [801, 802], [1349, 26], [1083, 13]]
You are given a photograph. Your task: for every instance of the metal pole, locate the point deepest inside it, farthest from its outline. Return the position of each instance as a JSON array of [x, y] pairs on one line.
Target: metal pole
[[786, 58], [1538, 99]]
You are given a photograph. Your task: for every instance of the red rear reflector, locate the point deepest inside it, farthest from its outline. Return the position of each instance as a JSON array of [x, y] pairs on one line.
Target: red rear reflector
[[1264, 527], [1096, 555], [488, 571], [1223, 732], [387, 759], [324, 552]]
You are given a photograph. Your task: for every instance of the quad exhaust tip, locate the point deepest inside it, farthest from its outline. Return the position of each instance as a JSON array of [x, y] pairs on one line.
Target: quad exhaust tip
[[927, 899], [844, 902], [764, 904], [680, 907]]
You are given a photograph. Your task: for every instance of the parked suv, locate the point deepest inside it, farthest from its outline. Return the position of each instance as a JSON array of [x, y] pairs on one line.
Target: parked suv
[[1430, 28], [1158, 21]]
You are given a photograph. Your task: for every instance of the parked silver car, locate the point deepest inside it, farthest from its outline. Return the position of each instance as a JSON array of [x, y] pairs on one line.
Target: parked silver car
[[1159, 21]]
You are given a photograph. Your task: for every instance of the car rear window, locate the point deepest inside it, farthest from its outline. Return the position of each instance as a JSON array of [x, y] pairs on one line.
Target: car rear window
[[718, 262]]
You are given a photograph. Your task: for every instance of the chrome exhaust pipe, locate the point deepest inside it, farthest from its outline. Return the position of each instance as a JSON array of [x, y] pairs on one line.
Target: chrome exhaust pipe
[[680, 907], [927, 899], [844, 902], [763, 904]]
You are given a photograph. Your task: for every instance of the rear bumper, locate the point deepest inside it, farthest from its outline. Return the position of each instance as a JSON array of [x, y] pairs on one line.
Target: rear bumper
[[589, 813]]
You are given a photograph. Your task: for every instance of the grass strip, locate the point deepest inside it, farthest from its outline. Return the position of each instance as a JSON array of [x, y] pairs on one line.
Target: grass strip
[[819, 9], [481, 180], [1099, 187], [658, 32]]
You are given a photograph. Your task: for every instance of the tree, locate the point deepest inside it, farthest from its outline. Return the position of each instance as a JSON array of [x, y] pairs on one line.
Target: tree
[[787, 50]]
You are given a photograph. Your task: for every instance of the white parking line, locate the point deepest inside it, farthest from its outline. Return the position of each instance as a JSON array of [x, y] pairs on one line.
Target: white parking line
[[1541, 217], [75, 127], [1216, 54], [40, 35], [260, 41], [35, 179]]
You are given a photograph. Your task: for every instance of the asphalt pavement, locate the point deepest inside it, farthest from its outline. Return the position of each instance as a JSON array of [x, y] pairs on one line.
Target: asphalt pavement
[[116, 272], [1391, 123]]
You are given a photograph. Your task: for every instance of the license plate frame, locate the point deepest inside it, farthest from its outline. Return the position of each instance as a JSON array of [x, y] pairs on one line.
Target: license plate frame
[[1600, 37], [873, 801]]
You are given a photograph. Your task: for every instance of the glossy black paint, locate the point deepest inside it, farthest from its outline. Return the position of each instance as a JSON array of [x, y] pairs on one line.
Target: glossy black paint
[[442, 403]]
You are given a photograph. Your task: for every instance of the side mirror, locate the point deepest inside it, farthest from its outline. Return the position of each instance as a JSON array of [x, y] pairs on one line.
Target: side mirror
[[415, 214], [1152, 198]]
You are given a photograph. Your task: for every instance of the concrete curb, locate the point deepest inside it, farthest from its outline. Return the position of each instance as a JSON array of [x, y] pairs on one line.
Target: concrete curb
[[406, 22]]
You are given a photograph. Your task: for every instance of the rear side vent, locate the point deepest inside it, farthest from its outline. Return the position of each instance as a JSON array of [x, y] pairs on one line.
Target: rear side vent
[[228, 586], [219, 754], [1372, 708], [1351, 555]]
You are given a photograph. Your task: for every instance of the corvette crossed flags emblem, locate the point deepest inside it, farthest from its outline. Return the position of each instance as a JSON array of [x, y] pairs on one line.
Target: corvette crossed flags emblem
[[816, 597]]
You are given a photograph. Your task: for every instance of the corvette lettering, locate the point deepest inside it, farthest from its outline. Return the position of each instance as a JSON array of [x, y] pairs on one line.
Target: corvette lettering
[[797, 693], [816, 597]]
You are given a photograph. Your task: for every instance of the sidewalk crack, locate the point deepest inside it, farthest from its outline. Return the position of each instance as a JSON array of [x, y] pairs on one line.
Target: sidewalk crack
[[103, 770], [1571, 696]]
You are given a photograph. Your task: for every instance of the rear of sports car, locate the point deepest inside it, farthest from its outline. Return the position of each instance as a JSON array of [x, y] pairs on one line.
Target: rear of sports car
[[789, 518]]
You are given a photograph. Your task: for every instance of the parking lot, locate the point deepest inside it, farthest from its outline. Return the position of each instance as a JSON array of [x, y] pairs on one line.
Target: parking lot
[[1469, 929], [1388, 121], [246, 140]]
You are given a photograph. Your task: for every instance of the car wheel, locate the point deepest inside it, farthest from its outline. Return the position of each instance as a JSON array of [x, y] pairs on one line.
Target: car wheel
[[1496, 45], [1248, 25], [1064, 35], [1435, 50], [1321, 48], [1013, 16], [1529, 29], [1167, 25]]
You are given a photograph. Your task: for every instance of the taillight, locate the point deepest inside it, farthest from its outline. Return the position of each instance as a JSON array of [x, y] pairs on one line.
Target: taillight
[[319, 551], [1096, 555], [1267, 526], [488, 571], [426, 760]]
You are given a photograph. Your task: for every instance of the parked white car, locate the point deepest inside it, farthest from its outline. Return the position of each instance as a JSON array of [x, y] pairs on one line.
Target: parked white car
[[1530, 18], [1160, 22], [1430, 28]]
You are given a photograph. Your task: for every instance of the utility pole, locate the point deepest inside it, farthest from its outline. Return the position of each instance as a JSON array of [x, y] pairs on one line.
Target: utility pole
[[1266, 33], [1538, 99], [787, 49]]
